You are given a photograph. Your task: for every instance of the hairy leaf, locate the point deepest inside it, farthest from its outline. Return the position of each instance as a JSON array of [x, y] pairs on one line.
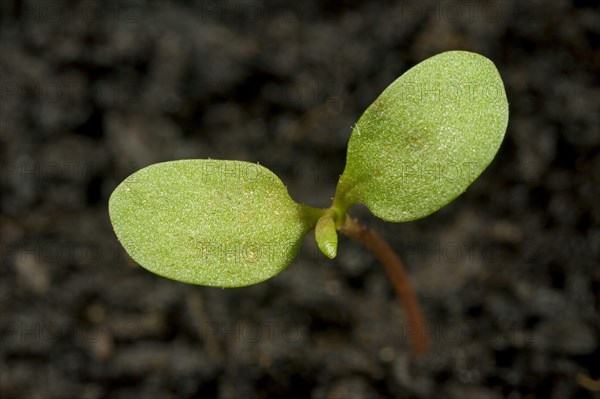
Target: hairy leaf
[[426, 138], [209, 222]]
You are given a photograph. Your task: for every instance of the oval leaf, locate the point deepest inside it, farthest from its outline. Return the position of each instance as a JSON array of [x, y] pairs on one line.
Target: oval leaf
[[209, 222], [426, 138]]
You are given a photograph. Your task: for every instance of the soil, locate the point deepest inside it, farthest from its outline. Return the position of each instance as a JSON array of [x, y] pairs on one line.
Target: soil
[[508, 274]]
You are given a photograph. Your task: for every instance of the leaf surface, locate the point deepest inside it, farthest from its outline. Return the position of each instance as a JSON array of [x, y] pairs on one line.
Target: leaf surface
[[427, 137], [209, 222]]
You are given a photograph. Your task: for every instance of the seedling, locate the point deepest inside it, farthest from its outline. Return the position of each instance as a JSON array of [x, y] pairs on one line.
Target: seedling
[[218, 223]]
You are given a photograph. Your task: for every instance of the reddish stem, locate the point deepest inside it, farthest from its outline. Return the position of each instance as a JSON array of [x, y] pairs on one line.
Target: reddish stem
[[395, 270]]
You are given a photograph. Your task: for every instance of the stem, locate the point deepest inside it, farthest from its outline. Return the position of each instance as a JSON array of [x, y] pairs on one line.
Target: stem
[[395, 270]]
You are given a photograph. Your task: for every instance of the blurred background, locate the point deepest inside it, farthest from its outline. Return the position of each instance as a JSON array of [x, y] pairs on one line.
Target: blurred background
[[508, 274]]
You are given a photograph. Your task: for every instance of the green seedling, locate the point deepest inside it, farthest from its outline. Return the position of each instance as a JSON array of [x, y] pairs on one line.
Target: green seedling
[[219, 223]]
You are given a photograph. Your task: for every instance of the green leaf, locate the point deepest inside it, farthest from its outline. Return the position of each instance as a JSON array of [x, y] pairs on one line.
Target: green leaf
[[209, 222], [426, 138], [325, 234]]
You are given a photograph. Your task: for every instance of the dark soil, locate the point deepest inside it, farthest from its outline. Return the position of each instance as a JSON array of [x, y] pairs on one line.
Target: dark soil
[[508, 274]]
